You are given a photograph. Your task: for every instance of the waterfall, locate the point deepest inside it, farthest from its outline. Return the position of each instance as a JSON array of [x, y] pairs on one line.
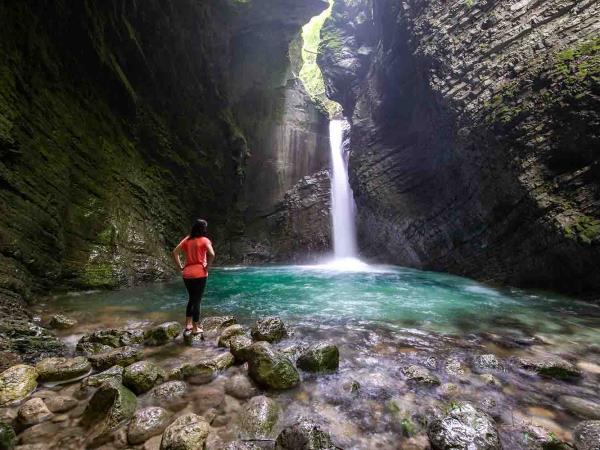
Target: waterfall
[[342, 200]]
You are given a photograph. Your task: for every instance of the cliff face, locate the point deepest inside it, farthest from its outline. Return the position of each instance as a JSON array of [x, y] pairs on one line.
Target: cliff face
[[121, 121], [474, 135]]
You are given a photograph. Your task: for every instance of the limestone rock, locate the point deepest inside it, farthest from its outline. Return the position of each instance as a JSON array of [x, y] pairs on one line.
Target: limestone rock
[[142, 376], [16, 383], [60, 322], [147, 422], [32, 412], [321, 357], [586, 435], [258, 418], [214, 325], [169, 391], [122, 356], [239, 346], [228, 333], [581, 407], [421, 375], [201, 371], [62, 369], [271, 369], [88, 384], [110, 406], [240, 387], [188, 432], [270, 329], [304, 436], [551, 367], [464, 427], [163, 333]]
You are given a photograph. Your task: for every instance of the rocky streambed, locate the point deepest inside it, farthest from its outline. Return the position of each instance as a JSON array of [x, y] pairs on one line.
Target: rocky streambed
[[304, 385]]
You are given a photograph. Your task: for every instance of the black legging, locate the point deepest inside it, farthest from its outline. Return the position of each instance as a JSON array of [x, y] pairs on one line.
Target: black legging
[[195, 288]]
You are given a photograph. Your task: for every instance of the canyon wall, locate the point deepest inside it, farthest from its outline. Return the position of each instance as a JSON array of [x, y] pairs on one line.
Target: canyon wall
[[475, 135], [121, 121]]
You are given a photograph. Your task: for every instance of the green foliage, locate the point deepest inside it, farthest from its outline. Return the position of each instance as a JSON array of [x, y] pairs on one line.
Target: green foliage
[[585, 229]]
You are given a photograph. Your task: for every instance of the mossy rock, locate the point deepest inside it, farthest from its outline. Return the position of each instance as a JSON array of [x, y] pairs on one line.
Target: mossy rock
[[202, 371], [270, 329], [88, 384], [169, 392], [321, 357], [60, 322], [239, 346], [142, 376], [62, 369], [304, 435], [8, 437], [163, 333], [228, 333], [122, 356], [271, 369], [259, 418], [188, 432], [420, 375], [110, 406], [551, 367], [146, 423], [213, 325], [111, 338], [16, 383]]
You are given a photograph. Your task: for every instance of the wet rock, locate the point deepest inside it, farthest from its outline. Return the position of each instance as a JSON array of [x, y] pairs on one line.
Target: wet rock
[[487, 363], [30, 341], [258, 418], [490, 379], [583, 408], [62, 369], [147, 422], [228, 333], [192, 339], [209, 397], [586, 435], [99, 341], [239, 347], [550, 367], [110, 406], [16, 383], [114, 373], [464, 427], [169, 391], [202, 371], [240, 387], [32, 412], [456, 368], [9, 359], [60, 403], [122, 356], [530, 437], [8, 437], [188, 432], [449, 389], [420, 375], [304, 436], [163, 333], [271, 369], [294, 350], [270, 329], [240, 445], [214, 325], [142, 376], [321, 357], [60, 322]]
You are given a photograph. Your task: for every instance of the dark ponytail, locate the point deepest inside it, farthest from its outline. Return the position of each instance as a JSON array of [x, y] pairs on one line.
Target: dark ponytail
[[199, 229]]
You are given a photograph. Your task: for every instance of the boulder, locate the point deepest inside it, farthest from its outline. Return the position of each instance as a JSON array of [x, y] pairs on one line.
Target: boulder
[[228, 333], [214, 325], [122, 356], [270, 329], [239, 346], [258, 418], [145, 423], [110, 406], [163, 333], [463, 427], [102, 340], [586, 435], [271, 369], [60, 403], [202, 371], [16, 383], [8, 437], [32, 412], [192, 339], [240, 387], [420, 375], [321, 357], [188, 432], [487, 363], [583, 408], [142, 376], [87, 385], [60, 322], [304, 436], [169, 391], [62, 369], [551, 367]]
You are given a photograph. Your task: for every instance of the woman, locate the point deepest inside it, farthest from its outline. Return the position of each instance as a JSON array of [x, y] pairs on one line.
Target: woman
[[199, 255]]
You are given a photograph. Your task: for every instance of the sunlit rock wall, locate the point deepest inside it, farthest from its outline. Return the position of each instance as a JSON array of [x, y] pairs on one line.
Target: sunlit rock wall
[[475, 130]]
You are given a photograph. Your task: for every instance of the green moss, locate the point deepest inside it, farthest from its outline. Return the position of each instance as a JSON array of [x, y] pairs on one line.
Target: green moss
[[585, 229]]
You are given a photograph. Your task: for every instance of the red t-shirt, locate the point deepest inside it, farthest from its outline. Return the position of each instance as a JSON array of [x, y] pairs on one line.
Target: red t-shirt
[[195, 257]]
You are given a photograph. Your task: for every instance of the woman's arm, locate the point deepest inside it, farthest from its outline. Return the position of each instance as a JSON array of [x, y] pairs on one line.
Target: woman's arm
[[175, 254], [210, 254]]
